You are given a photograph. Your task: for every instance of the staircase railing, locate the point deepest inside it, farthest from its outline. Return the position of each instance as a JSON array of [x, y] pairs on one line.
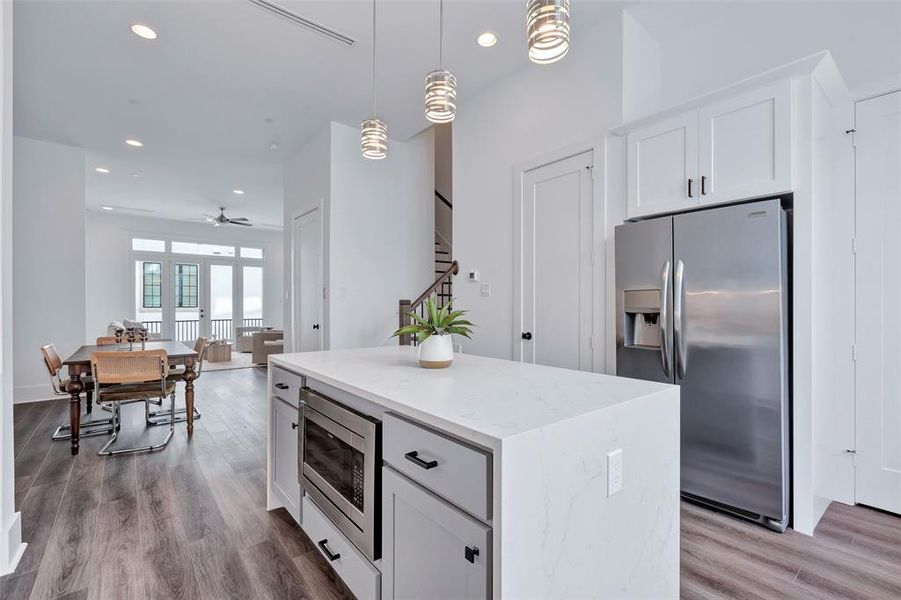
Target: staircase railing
[[405, 307]]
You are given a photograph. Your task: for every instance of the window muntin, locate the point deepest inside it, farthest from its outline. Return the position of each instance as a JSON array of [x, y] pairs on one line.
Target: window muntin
[[186, 284], [152, 285]]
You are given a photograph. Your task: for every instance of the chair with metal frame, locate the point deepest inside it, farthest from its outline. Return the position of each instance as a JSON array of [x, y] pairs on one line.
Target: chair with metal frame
[[161, 417], [87, 428], [132, 376]]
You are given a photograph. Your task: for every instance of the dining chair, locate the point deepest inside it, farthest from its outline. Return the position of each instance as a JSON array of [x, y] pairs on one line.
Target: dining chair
[[87, 428], [161, 417], [107, 340], [121, 377]]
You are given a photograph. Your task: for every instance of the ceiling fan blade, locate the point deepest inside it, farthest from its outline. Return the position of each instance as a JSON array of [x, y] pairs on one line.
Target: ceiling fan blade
[[239, 219], [233, 222]]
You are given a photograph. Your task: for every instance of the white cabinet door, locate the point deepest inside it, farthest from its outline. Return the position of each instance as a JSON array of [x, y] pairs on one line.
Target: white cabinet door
[[663, 166], [746, 145], [429, 548], [284, 455]]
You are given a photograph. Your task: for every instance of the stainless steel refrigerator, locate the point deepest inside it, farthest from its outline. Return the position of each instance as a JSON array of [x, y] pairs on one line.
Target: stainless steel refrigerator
[[702, 301]]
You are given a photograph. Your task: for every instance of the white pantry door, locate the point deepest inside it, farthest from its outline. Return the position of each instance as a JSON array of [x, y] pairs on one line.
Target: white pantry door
[[555, 264], [878, 302], [308, 282]]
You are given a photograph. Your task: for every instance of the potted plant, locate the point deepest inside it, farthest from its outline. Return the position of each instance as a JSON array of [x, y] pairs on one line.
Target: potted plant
[[433, 332]]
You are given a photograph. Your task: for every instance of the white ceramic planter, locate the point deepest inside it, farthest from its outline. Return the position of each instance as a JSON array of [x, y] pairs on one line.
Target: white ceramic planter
[[436, 352]]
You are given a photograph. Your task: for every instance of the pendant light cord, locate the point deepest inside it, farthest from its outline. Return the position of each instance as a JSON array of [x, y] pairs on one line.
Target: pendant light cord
[[373, 59], [440, 34]]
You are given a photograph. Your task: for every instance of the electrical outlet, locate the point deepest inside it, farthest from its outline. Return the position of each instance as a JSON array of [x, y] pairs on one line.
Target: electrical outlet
[[614, 471], [485, 290]]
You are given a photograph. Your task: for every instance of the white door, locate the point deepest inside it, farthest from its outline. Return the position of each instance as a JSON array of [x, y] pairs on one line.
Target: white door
[[745, 145], [663, 166], [878, 298], [308, 282], [554, 259]]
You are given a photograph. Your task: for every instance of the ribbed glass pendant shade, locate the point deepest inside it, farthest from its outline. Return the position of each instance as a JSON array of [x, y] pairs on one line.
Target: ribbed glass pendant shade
[[440, 96], [374, 139], [547, 26]]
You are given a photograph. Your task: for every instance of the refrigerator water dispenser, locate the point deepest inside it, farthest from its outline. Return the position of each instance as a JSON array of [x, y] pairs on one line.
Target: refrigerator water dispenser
[[641, 314]]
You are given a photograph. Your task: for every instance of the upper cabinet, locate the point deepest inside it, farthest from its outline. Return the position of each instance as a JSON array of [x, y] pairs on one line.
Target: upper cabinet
[[746, 145], [663, 166], [733, 149]]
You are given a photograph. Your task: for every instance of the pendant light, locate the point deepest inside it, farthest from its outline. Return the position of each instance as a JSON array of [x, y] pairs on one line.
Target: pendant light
[[547, 28], [440, 85], [373, 131]]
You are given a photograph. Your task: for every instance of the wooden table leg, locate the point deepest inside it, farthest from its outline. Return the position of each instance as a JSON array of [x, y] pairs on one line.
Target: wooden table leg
[[189, 395], [74, 387]]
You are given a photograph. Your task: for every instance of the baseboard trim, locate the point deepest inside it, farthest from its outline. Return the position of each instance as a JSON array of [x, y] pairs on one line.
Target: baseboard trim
[[32, 393], [12, 544]]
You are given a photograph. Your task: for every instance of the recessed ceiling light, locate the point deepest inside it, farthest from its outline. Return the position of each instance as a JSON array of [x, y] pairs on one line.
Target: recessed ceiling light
[[102, 170], [209, 220], [107, 207], [134, 143], [487, 39], [143, 31], [239, 192]]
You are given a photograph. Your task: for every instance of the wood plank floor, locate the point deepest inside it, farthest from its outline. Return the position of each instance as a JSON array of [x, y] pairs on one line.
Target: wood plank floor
[[190, 522]]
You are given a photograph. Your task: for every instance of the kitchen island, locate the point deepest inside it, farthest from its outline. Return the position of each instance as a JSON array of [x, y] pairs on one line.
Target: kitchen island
[[496, 478]]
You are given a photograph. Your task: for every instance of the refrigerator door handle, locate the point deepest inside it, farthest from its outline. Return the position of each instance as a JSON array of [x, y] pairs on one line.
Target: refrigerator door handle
[[665, 352], [678, 315]]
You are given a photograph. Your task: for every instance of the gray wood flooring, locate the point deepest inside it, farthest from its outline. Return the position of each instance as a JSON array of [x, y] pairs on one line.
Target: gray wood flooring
[[190, 522]]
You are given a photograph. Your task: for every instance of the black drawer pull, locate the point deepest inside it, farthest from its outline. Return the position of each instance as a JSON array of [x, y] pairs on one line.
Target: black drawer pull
[[471, 553], [328, 553], [413, 457], [282, 386]]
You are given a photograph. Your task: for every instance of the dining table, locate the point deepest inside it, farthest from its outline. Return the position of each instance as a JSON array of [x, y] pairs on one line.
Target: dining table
[[79, 365]]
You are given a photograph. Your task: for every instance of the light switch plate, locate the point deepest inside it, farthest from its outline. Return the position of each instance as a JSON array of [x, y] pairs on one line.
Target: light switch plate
[[614, 471]]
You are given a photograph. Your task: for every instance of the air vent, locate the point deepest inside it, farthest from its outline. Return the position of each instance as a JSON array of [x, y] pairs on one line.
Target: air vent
[[284, 13]]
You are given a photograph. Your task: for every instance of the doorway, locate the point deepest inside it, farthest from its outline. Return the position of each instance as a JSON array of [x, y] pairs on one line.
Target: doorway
[[307, 282], [877, 142], [553, 257]]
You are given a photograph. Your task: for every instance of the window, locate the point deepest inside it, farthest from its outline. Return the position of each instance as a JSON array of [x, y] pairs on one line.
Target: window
[[152, 284], [148, 245], [251, 252], [185, 286], [202, 249]]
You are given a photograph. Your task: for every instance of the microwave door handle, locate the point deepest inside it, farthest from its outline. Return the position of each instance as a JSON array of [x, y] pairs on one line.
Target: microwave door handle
[[665, 353], [678, 320]]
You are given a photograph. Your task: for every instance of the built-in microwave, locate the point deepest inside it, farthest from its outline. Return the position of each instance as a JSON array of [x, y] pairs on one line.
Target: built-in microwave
[[339, 466]]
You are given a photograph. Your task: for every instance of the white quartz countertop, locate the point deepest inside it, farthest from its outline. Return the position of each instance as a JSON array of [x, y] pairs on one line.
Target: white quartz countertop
[[483, 399]]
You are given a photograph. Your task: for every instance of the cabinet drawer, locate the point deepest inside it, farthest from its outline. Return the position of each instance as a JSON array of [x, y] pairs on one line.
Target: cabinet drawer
[[286, 385], [457, 472], [355, 571]]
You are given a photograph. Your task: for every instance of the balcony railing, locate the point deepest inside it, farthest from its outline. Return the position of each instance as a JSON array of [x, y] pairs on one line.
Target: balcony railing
[[188, 330]]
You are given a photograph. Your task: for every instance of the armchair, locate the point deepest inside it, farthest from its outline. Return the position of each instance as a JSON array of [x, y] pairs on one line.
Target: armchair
[[266, 343]]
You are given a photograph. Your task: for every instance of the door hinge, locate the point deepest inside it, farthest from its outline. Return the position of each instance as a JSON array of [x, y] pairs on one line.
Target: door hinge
[[324, 294], [591, 342], [853, 352], [854, 245]]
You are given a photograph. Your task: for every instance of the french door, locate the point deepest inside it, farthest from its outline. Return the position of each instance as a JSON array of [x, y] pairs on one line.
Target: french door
[[183, 298]]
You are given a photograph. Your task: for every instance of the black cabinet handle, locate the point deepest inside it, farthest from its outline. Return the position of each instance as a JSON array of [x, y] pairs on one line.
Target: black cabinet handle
[[703, 184], [471, 553], [328, 553], [413, 457], [293, 425], [315, 325], [690, 183], [527, 335], [282, 386]]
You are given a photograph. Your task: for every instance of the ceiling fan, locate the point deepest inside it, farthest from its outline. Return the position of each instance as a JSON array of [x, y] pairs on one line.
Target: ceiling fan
[[223, 220]]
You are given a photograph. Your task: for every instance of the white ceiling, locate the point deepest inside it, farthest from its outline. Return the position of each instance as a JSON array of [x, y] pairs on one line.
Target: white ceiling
[[199, 95]]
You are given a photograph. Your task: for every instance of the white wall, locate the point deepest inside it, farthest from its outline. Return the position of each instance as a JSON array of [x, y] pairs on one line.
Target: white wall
[[110, 273], [382, 235], [11, 546], [48, 259], [536, 111], [708, 45], [378, 229], [642, 69]]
